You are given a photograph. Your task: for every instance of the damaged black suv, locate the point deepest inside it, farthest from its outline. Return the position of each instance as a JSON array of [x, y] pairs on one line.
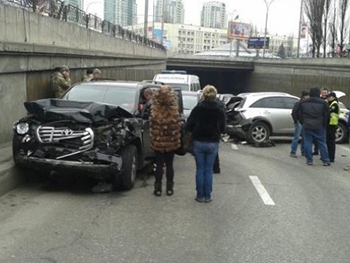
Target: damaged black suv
[[100, 128]]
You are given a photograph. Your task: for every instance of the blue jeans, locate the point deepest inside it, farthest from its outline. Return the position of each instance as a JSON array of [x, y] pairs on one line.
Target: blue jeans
[[204, 154], [297, 132], [318, 135]]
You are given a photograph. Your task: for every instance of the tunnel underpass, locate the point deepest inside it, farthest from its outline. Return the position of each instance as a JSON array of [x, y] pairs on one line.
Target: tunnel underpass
[[232, 81]]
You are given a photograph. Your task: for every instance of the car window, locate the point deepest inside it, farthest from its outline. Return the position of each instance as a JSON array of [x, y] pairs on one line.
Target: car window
[[271, 102], [290, 102], [189, 101], [120, 96]]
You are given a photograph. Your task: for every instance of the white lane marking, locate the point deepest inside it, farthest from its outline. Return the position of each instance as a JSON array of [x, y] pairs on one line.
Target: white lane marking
[[234, 146], [261, 190]]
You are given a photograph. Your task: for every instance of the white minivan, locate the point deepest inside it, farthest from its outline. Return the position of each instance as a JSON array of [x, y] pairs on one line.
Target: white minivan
[[179, 78]]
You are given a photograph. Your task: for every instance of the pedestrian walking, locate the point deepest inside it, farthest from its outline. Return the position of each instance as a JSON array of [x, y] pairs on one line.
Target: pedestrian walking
[[297, 127], [206, 123], [165, 135], [334, 110], [314, 117], [61, 81]]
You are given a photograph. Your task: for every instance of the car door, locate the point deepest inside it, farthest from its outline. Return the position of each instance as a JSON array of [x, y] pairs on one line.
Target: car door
[[274, 110]]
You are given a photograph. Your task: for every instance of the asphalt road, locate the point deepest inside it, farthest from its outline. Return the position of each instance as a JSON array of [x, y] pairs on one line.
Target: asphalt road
[[267, 207]]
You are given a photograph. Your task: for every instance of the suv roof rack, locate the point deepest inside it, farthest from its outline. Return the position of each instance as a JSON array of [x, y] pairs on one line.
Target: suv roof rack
[[173, 71]]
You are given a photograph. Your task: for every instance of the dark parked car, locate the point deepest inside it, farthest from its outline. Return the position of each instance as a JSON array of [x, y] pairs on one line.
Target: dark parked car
[[97, 127]]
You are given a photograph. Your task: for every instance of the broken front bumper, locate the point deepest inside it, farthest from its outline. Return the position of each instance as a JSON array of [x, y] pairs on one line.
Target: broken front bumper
[[90, 169]]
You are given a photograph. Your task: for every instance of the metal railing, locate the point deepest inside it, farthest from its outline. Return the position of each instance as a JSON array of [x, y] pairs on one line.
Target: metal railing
[[69, 13]]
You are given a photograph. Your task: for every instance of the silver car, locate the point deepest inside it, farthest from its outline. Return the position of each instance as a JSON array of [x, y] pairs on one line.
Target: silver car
[[269, 112], [258, 115], [190, 100]]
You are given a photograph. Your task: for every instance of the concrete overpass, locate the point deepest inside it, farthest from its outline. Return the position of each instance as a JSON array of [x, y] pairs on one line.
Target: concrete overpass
[[235, 75]]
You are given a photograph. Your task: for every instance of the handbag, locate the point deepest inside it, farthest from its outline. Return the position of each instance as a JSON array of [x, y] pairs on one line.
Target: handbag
[[186, 142]]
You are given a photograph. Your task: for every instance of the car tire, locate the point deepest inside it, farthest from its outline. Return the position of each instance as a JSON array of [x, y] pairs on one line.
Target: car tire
[[30, 175], [258, 132], [126, 179], [341, 134]]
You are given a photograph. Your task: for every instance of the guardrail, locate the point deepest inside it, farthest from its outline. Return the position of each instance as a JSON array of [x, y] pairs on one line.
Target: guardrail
[[69, 13]]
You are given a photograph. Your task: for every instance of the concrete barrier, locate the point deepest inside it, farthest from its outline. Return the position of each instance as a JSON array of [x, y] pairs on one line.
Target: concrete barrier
[[10, 176]]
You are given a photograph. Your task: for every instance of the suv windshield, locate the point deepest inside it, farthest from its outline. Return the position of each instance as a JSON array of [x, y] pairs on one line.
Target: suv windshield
[[183, 87], [116, 95]]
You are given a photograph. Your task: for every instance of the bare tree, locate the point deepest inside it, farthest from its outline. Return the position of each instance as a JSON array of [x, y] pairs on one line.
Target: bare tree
[[343, 26], [314, 10], [327, 5], [333, 28]]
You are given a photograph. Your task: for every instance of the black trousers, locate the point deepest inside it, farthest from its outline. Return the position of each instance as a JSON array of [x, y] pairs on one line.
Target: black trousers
[[331, 129], [166, 158]]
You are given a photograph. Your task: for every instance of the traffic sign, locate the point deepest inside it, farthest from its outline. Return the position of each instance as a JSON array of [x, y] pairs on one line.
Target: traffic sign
[[258, 42]]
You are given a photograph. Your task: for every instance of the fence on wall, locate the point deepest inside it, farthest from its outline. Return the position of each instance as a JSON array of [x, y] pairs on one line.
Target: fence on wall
[[69, 13]]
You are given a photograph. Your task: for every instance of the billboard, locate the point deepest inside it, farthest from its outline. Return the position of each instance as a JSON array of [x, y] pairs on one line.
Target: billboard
[[157, 36], [258, 42], [303, 30], [238, 30]]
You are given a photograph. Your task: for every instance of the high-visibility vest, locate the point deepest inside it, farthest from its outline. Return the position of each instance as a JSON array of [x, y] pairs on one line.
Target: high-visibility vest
[[334, 115]]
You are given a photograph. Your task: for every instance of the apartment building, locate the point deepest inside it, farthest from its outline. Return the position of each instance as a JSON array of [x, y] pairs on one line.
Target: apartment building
[[185, 39], [214, 15], [174, 11], [120, 12]]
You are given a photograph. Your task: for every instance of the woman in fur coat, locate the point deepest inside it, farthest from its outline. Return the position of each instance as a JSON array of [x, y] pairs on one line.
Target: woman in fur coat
[[165, 134]]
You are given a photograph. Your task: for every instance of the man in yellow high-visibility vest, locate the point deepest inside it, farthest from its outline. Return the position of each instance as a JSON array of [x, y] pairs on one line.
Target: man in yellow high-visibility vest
[[334, 111]]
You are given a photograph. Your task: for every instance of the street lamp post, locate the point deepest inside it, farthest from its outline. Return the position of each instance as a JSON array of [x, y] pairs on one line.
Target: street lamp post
[[300, 24], [268, 4], [145, 28]]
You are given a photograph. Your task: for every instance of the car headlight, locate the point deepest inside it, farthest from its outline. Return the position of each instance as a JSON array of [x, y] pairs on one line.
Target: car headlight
[[22, 128]]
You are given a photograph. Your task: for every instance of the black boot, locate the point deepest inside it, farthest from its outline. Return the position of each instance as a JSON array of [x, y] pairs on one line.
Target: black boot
[[157, 189], [169, 188]]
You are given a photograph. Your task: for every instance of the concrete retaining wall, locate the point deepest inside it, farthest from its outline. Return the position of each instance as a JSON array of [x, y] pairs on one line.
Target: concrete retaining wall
[[295, 75]]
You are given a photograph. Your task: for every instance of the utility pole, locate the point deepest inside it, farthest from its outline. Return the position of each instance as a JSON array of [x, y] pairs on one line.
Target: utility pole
[[300, 24], [145, 28], [268, 4], [163, 18]]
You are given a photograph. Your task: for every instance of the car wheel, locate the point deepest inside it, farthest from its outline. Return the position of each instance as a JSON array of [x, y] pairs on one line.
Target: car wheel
[[341, 133], [30, 175], [126, 180], [258, 132]]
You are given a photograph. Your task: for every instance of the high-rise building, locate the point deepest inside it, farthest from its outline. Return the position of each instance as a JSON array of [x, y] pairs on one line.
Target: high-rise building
[[120, 12], [174, 11], [214, 15], [76, 3]]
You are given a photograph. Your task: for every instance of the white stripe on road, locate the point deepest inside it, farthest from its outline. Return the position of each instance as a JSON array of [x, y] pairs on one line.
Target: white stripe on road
[[261, 190], [234, 146]]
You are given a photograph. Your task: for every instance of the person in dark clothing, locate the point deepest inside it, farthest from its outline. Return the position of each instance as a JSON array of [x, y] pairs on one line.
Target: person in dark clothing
[[297, 127], [206, 123], [314, 117], [324, 96], [332, 125]]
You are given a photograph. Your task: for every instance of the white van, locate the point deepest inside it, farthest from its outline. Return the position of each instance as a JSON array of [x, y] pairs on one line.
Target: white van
[[179, 78]]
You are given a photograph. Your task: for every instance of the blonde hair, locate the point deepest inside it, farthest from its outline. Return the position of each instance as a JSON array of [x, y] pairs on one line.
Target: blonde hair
[[209, 92]]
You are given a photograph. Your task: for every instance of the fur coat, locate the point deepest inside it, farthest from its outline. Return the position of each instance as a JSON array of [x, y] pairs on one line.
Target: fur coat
[[165, 122]]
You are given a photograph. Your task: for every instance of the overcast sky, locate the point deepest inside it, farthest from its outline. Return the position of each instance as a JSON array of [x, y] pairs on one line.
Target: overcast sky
[[283, 14]]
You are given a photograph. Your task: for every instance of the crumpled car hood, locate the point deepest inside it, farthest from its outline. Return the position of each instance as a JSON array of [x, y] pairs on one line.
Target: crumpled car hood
[[79, 111]]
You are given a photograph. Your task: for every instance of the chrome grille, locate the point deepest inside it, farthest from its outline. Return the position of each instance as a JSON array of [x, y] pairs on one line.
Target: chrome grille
[[77, 140]]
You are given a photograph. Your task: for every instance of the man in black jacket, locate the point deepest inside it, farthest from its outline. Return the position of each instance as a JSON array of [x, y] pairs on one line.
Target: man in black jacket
[[297, 126], [314, 117]]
